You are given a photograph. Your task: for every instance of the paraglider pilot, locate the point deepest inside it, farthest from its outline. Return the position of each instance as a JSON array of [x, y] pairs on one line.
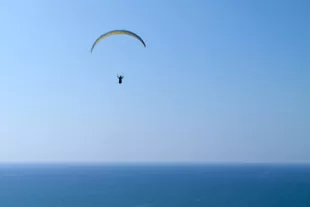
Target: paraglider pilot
[[120, 79]]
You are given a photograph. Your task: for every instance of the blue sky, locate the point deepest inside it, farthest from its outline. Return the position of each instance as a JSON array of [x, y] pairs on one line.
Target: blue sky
[[219, 81]]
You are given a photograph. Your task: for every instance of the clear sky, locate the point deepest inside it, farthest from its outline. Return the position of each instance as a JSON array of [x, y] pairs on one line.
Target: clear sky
[[219, 81]]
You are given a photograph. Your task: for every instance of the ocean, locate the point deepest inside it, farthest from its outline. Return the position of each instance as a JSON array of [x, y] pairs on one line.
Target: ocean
[[108, 185]]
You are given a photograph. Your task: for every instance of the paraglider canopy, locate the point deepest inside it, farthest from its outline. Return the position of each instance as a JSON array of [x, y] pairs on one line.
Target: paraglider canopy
[[115, 32]]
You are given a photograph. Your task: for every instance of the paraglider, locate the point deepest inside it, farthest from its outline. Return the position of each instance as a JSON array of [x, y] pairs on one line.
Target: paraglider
[[117, 32], [120, 78]]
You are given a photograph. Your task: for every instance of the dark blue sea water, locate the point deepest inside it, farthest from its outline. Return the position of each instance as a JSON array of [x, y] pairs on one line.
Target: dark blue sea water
[[154, 185]]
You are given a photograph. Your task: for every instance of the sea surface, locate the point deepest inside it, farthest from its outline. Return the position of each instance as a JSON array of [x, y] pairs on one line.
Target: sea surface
[[108, 185]]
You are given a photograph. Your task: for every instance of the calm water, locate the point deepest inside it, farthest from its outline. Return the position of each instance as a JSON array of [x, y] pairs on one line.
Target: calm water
[[154, 186]]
